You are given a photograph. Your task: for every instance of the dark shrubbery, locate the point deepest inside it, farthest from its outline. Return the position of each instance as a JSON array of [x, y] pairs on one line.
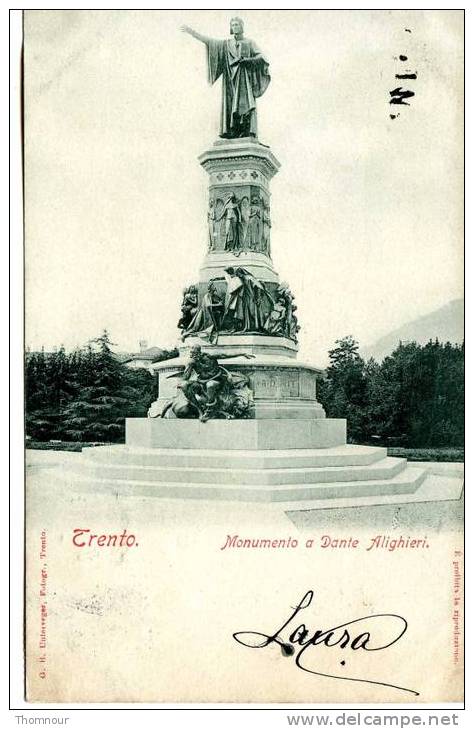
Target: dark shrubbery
[[84, 396]]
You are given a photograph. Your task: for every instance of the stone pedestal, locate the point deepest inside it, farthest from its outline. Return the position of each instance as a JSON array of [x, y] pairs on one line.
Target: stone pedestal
[[242, 435], [240, 170], [281, 386]]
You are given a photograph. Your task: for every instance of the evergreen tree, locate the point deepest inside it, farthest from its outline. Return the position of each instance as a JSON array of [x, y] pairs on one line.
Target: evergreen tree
[[343, 393], [38, 421], [84, 396], [107, 393], [59, 385], [95, 413]]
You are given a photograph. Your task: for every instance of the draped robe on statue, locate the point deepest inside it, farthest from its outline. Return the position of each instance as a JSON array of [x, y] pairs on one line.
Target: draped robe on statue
[[244, 301], [241, 83]]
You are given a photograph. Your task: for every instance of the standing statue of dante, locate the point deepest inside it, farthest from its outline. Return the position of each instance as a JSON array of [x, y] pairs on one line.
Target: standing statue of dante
[[245, 77]]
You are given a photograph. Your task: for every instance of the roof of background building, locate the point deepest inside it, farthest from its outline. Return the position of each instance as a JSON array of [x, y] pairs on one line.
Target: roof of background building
[[149, 355]]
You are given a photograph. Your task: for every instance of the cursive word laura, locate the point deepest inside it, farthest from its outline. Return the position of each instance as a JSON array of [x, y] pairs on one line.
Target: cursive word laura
[[368, 633]]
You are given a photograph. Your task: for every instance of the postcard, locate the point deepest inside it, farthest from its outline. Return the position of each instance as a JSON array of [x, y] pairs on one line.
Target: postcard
[[244, 356]]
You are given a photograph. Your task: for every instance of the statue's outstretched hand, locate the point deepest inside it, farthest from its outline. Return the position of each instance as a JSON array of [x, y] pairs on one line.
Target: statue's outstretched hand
[[194, 33]]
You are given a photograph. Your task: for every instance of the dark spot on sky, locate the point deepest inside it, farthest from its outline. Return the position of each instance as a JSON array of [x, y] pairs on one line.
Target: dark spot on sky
[[343, 663], [403, 58], [407, 30], [399, 95], [409, 74]]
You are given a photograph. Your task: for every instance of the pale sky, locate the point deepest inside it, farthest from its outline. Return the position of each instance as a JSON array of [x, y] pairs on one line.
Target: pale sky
[[366, 211]]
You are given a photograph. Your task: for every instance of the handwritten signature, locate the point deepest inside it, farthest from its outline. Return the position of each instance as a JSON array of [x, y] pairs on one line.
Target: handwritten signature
[[353, 635]]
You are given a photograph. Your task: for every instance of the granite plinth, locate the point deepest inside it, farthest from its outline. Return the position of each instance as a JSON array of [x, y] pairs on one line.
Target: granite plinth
[[264, 434]]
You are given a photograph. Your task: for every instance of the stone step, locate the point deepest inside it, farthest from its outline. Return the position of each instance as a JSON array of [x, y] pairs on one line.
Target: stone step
[[384, 469], [432, 488], [347, 455], [405, 482]]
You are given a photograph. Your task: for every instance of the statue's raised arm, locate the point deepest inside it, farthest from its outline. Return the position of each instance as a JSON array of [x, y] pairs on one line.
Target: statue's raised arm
[[195, 34], [245, 77]]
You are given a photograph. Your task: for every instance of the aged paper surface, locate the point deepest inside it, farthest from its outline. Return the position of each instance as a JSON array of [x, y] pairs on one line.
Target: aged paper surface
[[367, 229]]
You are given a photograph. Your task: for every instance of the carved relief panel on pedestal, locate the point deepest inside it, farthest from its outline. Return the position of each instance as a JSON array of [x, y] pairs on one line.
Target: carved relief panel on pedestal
[[239, 220]]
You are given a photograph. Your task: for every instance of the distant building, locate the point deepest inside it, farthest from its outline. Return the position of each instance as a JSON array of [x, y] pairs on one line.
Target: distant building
[[146, 356]]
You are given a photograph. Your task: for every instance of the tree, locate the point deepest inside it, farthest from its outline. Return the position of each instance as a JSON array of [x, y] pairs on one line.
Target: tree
[[85, 395], [379, 411], [39, 422], [94, 414], [343, 393], [59, 384], [425, 388]]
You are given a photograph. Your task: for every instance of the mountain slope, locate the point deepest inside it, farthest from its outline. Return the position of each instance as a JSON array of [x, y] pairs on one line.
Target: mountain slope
[[446, 324]]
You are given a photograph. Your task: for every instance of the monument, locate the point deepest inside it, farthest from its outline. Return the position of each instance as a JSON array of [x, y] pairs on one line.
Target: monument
[[237, 415], [238, 308]]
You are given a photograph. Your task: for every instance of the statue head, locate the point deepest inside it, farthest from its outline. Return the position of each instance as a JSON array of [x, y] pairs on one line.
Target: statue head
[[195, 352], [236, 26], [255, 200]]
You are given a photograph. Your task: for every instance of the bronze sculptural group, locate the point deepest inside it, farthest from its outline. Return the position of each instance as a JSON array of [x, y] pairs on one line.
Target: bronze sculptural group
[[208, 390], [282, 319], [246, 306], [207, 316], [188, 307]]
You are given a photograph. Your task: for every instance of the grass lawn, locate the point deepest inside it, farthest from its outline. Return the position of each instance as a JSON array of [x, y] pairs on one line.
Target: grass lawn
[[453, 455], [63, 445]]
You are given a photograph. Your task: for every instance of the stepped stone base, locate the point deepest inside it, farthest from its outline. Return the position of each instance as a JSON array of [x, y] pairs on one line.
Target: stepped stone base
[[347, 472], [268, 461]]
